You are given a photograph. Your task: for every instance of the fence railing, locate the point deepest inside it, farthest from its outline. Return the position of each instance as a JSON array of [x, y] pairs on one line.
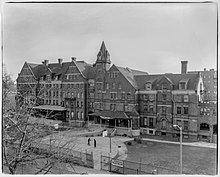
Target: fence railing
[[129, 167], [64, 154]]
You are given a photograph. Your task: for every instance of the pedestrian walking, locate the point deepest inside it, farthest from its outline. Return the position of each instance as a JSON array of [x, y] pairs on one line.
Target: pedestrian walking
[[94, 143], [89, 141]]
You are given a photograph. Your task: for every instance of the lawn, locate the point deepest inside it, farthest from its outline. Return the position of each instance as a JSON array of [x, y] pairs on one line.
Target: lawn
[[196, 160]]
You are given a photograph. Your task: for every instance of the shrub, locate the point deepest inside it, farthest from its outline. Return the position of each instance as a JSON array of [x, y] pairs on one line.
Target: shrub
[[139, 141], [129, 143]]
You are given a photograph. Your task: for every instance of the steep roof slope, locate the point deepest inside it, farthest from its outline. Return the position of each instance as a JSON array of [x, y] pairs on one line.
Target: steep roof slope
[[130, 74], [174, 78]]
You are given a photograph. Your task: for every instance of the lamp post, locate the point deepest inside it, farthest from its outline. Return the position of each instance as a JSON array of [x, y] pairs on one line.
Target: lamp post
[[181, 158]]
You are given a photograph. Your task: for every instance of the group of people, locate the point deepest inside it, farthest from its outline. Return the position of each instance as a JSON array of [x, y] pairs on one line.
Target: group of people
[[91, 140]]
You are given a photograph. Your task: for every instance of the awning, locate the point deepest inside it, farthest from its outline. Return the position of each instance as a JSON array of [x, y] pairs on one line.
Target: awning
[[50, 107], [110, 114]]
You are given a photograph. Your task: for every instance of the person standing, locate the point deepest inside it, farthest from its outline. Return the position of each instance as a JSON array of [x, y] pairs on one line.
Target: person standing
[[94, 143], [89, 141]]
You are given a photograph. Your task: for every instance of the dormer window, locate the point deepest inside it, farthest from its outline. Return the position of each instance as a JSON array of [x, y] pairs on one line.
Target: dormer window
[[148, 86], [182, 86], [164, 86]]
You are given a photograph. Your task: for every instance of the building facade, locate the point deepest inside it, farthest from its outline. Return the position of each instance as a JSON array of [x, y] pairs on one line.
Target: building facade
[[116, 97], [207, 122], [210, 84], [167, 100]]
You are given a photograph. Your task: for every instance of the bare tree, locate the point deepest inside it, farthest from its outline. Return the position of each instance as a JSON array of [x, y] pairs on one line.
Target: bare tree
[[22, 142]]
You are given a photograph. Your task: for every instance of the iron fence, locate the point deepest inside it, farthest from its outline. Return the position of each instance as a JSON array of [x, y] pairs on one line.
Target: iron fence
[[64, 154], [130, 167]]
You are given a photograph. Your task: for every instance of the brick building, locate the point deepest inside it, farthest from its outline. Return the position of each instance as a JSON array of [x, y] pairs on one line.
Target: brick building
[[168, 99], [210, 84], [127, 100], [207, 122]]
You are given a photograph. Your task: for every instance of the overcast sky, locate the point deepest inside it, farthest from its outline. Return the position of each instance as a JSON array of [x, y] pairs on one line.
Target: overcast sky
[[148, 37]]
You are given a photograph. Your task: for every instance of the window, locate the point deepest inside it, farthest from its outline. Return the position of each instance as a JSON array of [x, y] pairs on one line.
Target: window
[[57, 102], [214, 112], [119, 86], [204, 126], [178, 110], [145, 106], [185, 110], [148, 86], [215, 129], [107, 86], [151, 122], [164, 97], [178, 122], [182, 86], [164, 86], [113, 85], [145, 121], [82, 115], [99, 95], [78, 114], [82, 95], [164, 124], [128, 96], [123, 96], [151, 108], [186, 98], [115, 74], [81, 103], [113, 107], [113, 95], [164, 109], [186, 125], [201, 111]]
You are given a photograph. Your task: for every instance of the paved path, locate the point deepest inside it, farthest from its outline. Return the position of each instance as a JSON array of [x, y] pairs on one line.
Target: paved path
[[198, 144], [103, 145]]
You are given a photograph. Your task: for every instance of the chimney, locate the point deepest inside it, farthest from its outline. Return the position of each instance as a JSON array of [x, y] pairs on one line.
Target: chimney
[[204, 69], [60, 60], [45, 62], [184, 67], [73, 58]]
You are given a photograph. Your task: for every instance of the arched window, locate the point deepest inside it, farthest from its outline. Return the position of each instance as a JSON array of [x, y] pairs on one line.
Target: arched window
[[78, 115], [204, 126], [72, 114], [82, 115]]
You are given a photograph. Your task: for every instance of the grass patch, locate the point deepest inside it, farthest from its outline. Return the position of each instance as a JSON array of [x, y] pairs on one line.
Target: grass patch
[[196, 160]]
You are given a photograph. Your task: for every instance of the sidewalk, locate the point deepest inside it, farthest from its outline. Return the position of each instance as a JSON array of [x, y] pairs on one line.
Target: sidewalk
[[198, 144]]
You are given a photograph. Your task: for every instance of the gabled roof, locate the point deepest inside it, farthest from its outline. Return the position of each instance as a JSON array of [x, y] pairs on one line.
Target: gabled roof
[[129, 74], [83, 67], [175, 78], [60, 69]]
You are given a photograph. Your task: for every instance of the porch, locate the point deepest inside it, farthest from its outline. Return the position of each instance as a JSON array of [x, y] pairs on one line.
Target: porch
[[115, 120]]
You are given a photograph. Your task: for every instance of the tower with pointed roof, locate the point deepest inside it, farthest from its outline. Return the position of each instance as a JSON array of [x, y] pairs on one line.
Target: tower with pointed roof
[[103, 58]]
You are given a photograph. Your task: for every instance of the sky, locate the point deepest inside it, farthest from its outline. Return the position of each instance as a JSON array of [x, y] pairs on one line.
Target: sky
[[151, 37]]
